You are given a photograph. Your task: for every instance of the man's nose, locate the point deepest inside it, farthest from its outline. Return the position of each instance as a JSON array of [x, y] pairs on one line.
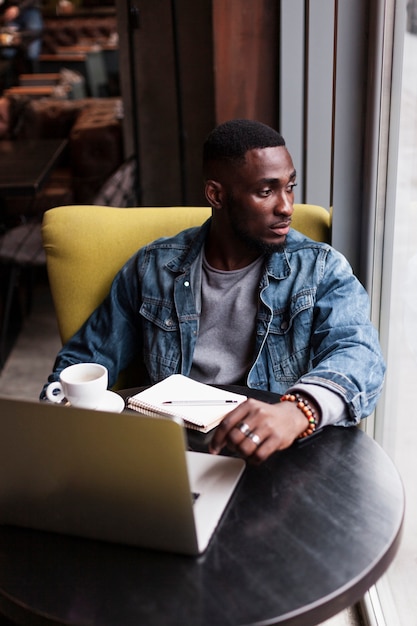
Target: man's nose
[[284, 204]]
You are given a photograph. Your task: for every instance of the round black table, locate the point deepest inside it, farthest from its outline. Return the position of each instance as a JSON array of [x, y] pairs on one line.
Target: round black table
[[305, 535]]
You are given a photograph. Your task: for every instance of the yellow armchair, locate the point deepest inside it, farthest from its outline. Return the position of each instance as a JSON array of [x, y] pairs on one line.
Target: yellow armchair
[[86, 246]]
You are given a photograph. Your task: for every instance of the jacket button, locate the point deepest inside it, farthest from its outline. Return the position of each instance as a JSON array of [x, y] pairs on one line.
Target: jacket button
[[168, 322], [186, 284], [284, 325]]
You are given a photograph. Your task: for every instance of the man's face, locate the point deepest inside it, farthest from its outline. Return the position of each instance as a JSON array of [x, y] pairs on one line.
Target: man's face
[[258, 198]]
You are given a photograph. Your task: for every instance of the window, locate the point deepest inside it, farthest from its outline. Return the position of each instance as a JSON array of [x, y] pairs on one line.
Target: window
[[396, 423]]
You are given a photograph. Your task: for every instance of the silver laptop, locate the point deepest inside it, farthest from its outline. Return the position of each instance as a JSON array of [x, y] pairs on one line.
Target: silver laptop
[[125, 478]]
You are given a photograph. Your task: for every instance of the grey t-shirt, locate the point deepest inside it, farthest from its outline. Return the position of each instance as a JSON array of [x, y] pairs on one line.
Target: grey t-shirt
[[229, 304]]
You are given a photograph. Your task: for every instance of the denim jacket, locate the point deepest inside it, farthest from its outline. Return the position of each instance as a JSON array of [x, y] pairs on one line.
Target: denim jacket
[[312, 325]]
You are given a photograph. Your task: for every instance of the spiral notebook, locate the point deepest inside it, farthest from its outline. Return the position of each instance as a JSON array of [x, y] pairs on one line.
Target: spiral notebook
[[200, 406]]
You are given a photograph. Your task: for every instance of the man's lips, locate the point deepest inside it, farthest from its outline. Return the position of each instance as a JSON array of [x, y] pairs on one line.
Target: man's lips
[[280, 226]]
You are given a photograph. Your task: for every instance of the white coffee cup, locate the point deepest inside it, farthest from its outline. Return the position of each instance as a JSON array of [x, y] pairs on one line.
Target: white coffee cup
[[82, 384]]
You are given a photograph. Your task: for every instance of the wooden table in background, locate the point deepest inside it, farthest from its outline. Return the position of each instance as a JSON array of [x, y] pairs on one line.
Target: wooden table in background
[[26, 164]]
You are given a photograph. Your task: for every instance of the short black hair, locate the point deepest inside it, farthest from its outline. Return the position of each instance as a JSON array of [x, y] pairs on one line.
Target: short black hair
[[231, 140]]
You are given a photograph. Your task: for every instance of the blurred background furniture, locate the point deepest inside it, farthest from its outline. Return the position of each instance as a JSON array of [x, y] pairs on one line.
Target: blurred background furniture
[[34, 91], [86, 41], [87, 60], [80, 275], [27, 163], [91, 26], [95, 145], [21, 250], [89, 137], [63, 84], [26, 166], [27, 80]]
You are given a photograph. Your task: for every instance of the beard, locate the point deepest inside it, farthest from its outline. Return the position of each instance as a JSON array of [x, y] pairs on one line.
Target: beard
[[253, 243]]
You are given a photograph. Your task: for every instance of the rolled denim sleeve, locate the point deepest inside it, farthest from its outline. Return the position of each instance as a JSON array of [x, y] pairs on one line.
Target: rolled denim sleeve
[[345, 352]]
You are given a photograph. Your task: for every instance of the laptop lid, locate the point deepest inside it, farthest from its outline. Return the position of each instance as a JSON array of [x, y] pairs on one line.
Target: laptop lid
[[125, 477]]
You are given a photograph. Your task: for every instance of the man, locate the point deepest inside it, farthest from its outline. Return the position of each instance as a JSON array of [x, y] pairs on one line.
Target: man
[[24, 15], [244, 299]]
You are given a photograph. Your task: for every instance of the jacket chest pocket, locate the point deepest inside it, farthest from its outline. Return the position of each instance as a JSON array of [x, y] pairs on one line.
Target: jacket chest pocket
[[288, 341], [161, 342], [300, 310], [159, 314]]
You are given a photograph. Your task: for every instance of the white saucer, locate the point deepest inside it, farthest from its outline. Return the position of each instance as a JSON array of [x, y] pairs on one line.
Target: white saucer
[[111, 402]]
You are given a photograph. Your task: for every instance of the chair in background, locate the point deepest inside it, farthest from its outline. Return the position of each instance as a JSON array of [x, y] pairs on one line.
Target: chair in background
[[98, 80], [119, 190], [86, 246], [88, 61], [20, 250]]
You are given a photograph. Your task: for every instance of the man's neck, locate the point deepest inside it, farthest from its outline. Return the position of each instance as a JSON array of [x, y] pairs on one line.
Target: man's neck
[[228, 255]]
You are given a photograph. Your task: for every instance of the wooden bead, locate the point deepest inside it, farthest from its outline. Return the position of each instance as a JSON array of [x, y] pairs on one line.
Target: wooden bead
[[306, 409]]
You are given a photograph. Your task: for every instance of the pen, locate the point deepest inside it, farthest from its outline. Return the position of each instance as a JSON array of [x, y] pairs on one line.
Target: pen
[[198, 402]]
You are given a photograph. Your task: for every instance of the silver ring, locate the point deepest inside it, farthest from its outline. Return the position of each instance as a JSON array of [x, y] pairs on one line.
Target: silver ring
[[244, 429], [255, 438]]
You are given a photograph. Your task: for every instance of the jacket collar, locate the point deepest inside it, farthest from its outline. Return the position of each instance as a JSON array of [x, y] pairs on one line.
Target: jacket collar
[[192, 248], [277, 265]]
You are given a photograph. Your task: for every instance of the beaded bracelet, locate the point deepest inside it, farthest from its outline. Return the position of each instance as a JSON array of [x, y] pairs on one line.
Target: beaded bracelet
[[304, 406]]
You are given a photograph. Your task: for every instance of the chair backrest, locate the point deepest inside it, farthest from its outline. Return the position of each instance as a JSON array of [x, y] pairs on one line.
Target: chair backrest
[[86, 246]]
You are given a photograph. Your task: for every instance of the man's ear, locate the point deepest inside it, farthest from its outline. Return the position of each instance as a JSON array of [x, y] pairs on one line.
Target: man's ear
[[214, 193]]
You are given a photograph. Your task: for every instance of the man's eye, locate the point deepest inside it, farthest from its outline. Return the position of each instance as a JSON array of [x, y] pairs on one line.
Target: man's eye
[[265, 192], [291, 186]]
